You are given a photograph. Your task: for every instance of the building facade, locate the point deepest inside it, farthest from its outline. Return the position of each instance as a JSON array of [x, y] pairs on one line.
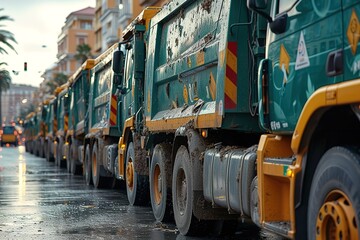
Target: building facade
[[99, 27], [78, 29], [113, 16]]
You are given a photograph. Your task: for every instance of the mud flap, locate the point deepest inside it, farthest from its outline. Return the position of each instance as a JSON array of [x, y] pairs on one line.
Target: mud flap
[[141, 164]]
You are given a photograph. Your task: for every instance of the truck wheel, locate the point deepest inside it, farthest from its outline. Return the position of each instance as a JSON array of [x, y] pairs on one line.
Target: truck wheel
[[182, 193], [75, 169], [98, 180], [46, 151], [87, 167], [37, 148], [59, 153], [334, 202], [137, 187], [42, 151], [68, 159], [160, 180], [49, 155]]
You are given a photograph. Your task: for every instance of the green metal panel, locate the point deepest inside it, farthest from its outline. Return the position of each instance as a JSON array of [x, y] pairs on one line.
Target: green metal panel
[[60, 110], [79, 102], [351, 17], [298, 58], [50, 118], [102, 89], [188, 61]]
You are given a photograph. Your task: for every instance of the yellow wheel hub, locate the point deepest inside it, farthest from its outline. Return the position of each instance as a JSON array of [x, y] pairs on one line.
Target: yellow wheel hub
[[157, 185], [130, 175], [336, 218]]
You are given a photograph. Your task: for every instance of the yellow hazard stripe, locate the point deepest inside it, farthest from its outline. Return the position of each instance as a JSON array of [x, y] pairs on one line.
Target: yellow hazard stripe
[[231, 61], [231, 90]]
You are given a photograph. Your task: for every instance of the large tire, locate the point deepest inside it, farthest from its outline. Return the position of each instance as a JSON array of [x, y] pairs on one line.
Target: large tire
[[41, 149], [99, 181], [68, 159], [334, 202], [46, 151], [31, 147], [160, 183], [37, 148], [59, 154], [49, 155], [137, 187], [87, 166], [182, 193], [75, 168]]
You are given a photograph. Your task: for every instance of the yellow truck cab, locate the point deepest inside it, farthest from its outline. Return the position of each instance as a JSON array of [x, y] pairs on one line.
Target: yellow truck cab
[[9, 134]]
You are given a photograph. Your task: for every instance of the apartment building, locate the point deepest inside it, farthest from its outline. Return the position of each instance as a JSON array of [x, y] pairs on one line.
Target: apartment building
[[112, 17], [78, 29]]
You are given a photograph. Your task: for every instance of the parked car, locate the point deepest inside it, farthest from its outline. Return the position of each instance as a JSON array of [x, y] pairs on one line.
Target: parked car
[[9, 134]]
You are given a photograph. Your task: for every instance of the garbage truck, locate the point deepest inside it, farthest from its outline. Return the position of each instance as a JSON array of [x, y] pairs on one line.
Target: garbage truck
[[51, 126], [114, 105], [62, 119], [101, 117], [245, 110], [79, 84]]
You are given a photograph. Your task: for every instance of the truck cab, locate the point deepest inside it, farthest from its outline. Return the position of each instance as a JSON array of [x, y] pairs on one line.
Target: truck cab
[[308, 103]]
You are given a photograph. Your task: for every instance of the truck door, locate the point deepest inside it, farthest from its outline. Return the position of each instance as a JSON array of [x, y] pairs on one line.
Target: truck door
[[127, 93], [305, 53]]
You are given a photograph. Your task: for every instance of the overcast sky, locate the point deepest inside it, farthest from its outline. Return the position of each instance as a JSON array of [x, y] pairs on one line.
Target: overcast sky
[[36, 27]]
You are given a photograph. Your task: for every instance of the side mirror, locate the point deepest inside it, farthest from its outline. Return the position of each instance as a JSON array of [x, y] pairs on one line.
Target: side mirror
[[256, 4], [118, 62], [278, 25], [259, 6]]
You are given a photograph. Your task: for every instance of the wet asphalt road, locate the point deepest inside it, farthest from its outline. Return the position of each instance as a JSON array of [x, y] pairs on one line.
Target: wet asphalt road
[[41, 201]]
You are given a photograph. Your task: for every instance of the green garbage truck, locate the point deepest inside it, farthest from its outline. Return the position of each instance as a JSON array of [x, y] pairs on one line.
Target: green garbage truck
[[79, 85], [245, 110]]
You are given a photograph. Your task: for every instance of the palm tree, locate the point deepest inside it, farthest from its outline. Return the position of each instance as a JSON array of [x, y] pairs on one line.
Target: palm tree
[[58, 80], [83, 52], [5, 80], [5, 36]]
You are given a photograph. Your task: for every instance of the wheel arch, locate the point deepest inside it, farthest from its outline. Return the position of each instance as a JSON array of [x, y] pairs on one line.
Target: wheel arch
[[328, 126]]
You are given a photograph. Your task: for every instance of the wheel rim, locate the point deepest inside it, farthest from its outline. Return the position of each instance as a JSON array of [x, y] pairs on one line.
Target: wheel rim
[[130, 175], [181, 191], [336, 218], [157, 184]]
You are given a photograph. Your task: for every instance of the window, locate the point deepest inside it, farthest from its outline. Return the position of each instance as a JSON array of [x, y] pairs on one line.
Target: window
[[86, 25], [81, 40], [285, 5], [129, 65]]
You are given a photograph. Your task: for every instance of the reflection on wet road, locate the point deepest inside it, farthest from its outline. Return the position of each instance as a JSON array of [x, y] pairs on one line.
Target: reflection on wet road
[[41, 201]]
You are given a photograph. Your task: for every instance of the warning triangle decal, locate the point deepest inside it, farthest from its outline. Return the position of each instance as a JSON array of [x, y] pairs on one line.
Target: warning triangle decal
[[302, 58]]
